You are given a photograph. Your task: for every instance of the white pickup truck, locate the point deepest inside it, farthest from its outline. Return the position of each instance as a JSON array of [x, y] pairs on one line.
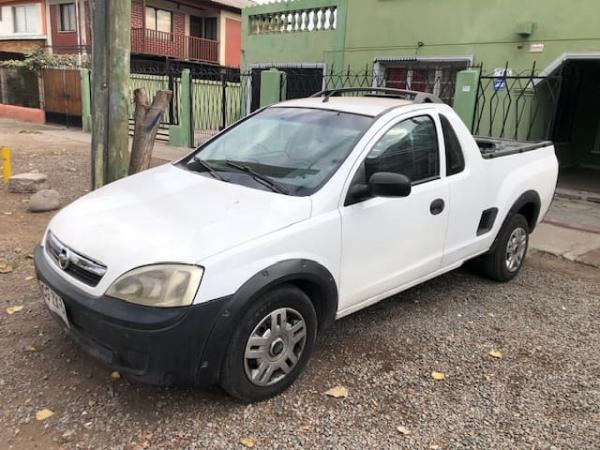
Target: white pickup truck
[[222, 267]]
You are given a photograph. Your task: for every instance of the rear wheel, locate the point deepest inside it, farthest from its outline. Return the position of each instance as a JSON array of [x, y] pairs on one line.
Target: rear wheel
[[271, 346], [505, 262]]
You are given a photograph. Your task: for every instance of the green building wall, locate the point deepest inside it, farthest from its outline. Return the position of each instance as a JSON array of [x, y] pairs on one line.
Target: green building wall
[[485, 30], [488, 32]]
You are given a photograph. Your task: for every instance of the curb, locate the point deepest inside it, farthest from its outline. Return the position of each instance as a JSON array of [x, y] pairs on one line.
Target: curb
[[571, 194], [558, 223]]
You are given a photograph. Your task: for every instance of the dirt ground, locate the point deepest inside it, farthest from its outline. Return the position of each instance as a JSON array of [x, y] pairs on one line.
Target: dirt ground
[[542, 393]]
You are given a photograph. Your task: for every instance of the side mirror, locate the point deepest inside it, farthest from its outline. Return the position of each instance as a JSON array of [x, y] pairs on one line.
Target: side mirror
[[381, 184], [388, 184]]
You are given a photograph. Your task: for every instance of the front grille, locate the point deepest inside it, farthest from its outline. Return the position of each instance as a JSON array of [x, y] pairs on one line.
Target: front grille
[[75, 264]]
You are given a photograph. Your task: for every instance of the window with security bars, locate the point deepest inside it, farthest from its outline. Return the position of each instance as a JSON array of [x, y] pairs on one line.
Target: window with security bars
[[435, 78]]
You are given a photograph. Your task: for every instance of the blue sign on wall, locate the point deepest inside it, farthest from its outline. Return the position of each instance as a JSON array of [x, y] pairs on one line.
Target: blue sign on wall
[[499, 78]]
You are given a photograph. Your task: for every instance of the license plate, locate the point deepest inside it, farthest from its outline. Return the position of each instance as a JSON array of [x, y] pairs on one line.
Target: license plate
[[54, 302]]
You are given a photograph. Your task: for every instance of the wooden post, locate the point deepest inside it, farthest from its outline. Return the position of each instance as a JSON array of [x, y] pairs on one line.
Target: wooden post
[[3, 86], [147, 121], [99, 93], [119, 42], [110, 90]]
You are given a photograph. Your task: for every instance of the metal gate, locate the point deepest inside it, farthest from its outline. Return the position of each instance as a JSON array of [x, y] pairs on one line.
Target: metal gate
[[519, 106], [154, 81], [62, 95], [218, 99]]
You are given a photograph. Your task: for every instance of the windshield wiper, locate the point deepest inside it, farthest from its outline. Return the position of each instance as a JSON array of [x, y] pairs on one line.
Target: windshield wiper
[[209, 169], [263, 179]]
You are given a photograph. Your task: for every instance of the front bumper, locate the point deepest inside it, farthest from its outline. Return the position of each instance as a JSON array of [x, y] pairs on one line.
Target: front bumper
[[165, 346]]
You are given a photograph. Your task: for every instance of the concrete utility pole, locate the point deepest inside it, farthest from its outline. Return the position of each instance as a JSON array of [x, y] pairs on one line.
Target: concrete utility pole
[[111, 25]]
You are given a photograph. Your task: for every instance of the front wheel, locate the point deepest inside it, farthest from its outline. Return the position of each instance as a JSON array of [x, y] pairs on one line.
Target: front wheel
[[505, 262], [271, 346]]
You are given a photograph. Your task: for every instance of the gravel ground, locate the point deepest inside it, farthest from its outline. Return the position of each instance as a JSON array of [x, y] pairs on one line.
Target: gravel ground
[[544, 392]]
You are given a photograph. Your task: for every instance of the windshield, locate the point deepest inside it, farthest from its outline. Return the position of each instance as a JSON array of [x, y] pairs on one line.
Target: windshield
[[287, 150]]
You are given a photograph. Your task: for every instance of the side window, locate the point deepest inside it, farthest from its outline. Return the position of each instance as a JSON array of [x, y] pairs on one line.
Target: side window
[[455, 161], [409, 148]]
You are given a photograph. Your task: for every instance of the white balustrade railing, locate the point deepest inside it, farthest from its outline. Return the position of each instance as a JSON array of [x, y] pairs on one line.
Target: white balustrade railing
[[305, 20]]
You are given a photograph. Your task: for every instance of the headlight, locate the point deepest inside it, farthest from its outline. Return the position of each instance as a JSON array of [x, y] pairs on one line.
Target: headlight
[[161, 285]]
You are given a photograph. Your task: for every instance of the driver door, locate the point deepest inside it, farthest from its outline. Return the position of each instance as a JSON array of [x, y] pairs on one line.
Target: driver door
[[388, 243]]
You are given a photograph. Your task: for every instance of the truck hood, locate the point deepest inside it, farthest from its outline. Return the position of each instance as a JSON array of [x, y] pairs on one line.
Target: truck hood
[[169, 214]]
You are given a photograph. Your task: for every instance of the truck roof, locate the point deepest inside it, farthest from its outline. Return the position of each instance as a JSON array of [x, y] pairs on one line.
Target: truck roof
[[365, 105], [369, 101]]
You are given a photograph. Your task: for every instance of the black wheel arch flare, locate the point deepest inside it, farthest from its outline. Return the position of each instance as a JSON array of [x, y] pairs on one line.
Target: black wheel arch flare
[[530, 201], [313, 278]]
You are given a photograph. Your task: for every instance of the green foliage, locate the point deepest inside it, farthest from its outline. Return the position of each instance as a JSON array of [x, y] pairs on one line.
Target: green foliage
[[41, 58]]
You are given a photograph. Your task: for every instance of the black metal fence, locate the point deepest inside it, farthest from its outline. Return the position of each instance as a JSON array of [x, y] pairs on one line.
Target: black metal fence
[[304, 81], [218, 99], [155, 78], [519, 106], [218, 96]]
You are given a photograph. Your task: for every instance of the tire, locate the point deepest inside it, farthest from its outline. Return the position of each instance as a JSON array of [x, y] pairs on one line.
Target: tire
[[495, 264], [243, 375]]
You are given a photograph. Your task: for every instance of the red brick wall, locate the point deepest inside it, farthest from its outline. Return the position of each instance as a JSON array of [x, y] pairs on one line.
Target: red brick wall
[[233, 42], [178, 23], [137, 15], [61, 38], [177, 47]]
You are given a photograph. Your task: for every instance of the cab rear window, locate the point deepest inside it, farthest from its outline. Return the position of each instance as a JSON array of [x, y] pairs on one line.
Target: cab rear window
[[455, 161]]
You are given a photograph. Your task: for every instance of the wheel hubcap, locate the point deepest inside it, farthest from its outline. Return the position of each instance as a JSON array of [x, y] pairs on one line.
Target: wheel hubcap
[[275, 346], [515, 249]]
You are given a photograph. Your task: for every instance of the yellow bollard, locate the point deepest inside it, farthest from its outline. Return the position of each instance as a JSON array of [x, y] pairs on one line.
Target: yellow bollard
[[6, 169]]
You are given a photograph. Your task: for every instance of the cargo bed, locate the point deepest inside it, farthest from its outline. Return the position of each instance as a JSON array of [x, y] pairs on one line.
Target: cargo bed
[[495, 148]]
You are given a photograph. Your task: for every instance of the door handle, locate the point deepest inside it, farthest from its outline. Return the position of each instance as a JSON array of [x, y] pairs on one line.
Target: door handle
[[437, 206]]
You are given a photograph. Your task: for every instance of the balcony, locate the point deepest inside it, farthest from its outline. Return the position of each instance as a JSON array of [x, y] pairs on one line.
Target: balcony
[[173, 45]]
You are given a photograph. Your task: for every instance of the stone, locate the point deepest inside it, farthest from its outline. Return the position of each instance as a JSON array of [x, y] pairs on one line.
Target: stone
[[27, 183], [44, 200]]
